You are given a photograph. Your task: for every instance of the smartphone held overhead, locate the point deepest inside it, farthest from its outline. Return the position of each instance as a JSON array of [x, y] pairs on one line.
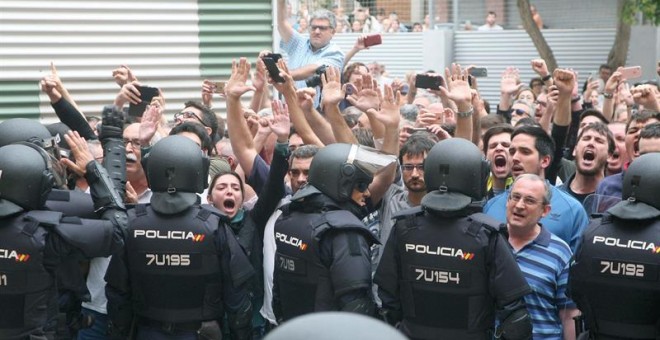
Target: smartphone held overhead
[[479, 72], [631, 72], [146, 95], [373, 40], [273, 71], [432, 82]]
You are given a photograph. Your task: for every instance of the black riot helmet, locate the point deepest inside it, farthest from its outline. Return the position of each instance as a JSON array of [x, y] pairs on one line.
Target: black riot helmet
[[641, 184], [176, 170], [338, 168], [455, 173], [23, 130], [26, 178]]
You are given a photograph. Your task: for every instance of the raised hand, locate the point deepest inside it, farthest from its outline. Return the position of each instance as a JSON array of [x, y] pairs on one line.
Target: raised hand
[[306, 98], [389, 108], [591, 86], [128, 93], [260, 76], [624, 94], [425, 118], [367, 96], [332, 91], [236, 86], [149, 123], [458, 88], [359, 43], [280, 124], [539, 66], [552, 98], [437, 130], [123, 75], [80, 152], [208, 88], [510, 81], [613, 82], [565, 81], [646, 95], [288, 86]]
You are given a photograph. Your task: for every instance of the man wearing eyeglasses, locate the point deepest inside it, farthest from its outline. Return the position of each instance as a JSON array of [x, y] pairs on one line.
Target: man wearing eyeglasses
[[398, 198], [542, 257], [199, 113], [531, 152], [308, 54]]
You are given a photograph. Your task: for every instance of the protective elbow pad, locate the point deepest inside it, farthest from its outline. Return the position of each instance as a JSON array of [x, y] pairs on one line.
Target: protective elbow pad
[[517, 326], [104, 193]]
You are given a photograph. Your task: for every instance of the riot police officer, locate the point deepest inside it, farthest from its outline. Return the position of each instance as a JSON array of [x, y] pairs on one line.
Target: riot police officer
[[322, 261], [34, 241], [615, 278], [70, 278], [446, 270], [181, 268], [70, 203]]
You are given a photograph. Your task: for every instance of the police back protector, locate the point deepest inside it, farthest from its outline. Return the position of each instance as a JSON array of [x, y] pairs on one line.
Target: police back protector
[[303, 281], [174, 267], [27, 290], [444, 276], [615, 279]]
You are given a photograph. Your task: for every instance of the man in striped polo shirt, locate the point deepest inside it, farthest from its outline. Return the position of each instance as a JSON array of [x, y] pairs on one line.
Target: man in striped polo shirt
[[542, 257]]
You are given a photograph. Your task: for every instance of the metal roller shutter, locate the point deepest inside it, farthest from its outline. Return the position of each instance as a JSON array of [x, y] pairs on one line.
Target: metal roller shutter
[[168, 44], [582, 50]]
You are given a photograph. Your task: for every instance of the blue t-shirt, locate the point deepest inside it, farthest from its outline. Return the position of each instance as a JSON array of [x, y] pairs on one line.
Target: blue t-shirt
[[567, 218]]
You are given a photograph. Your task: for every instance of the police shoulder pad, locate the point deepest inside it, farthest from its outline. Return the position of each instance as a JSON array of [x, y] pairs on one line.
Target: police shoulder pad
[[45, 218], [340, 219], [206, 210], [481, 220], [415, 211]]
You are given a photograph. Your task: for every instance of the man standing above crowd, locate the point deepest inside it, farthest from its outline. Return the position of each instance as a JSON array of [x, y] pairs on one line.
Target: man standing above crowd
[[306, 55]]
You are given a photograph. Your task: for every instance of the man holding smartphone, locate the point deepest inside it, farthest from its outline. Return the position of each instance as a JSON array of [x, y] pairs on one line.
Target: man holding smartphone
[[306, 55]]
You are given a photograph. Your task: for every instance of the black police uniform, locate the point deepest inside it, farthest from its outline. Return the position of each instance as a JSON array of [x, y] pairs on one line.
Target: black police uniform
[[177, 271], [322, 261], [182, 264], [615, 279], [33, 244], [443, 278], [446, 271]]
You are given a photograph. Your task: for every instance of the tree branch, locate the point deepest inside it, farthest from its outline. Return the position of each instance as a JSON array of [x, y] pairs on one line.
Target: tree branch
[[545, 52]]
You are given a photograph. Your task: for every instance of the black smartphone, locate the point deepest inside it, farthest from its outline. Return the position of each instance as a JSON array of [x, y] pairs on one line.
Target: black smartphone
[[274, 56], [425, 81], [479, 72], [146, 94], [273, 71]]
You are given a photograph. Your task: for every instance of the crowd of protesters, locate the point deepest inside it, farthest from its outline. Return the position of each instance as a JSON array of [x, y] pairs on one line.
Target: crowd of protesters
[[554, 144]]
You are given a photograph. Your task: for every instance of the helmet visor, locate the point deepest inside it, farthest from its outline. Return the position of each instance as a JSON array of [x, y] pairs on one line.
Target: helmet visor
[[369, 160]]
